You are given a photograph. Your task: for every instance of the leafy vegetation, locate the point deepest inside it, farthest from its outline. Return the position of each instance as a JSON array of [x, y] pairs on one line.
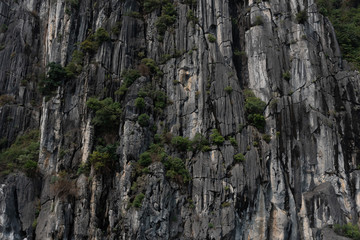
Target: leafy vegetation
[[254, 108], [238, 158], [216, 137], [53, 79], [175, 169], [94, 41], [22, 154], [144, 120], [140, 103], [211, 38], [348, 230], [103, 158], [107, 113], [181, 143], [167, 18], [138, 200], [301, 17], [74, 67], [345, 17]]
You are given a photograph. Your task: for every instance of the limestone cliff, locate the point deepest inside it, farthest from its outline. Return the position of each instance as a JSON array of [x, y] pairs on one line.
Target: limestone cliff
[[196, 65]]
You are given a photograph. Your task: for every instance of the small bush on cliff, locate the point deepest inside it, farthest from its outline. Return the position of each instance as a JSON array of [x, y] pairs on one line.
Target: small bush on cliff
[[216, 137], [254, 108], [301, 17], [103, 158], [180, 143], [345, 16], [53, 79], [107, 113], [144, 120], [348, 230], [22, 155], [138, 200], [176, 170], [167, 18]]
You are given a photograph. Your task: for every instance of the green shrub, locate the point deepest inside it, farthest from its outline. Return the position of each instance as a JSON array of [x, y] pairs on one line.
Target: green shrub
[[211, 38], [190, 16], [344, 15], [103, 158], [74, 67], [258, 21], [144, 120], [266, 138], [151, 64], [233, 141], [94, 41], [176, 170], [167, 18], [180, 143], [145, 159], [107, 113], [216, 138], [151, 5], [140, 103], [101, 36], [228, 89], [53, 79], [199, 143], [257, 120], [239, 158], [23, 154], [138, 200], [121, 91], [160, 99], [301, 17], [130, 76], [348, 230], [254, 108], [286, 76]]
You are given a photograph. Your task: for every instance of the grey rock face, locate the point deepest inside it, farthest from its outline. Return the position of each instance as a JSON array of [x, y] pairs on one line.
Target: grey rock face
[[295, 185]]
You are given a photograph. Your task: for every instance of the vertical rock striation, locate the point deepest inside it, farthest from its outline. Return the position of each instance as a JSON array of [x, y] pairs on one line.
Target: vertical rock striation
[[299, 176]]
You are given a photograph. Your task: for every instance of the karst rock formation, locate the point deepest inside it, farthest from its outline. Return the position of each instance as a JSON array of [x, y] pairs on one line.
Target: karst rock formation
[[196, 65]]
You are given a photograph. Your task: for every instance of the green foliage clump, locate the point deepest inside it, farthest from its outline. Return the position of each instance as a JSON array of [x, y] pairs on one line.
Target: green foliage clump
[[53, 79], [167, 18], [266, 138], [138, 200], [103, 158], [190, 16], [348, 230], [176, 170], [228, 89], [301, 17], [233, 141], [107, 113], [144, 120], [181, 143], [211, 38], [22, 154], [151, 64], [151, 5], [199, 142], [345, 17], [286, 76], [74, 67], [254, 108], [258, 21], [140, 103], [216, 137], [145, 159], [238, 158], [94, 41]]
